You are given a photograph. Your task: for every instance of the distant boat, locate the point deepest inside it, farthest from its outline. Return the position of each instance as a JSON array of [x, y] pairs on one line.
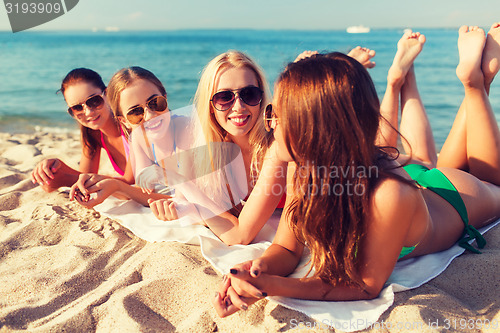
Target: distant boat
[[112, 29], [358, 29]]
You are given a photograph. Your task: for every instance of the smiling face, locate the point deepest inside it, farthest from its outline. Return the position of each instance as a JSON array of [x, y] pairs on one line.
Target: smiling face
[[94, 118], [138, 93], [240, 118]]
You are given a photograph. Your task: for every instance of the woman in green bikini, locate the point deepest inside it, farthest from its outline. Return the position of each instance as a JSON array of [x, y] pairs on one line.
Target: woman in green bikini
[[358, 222]]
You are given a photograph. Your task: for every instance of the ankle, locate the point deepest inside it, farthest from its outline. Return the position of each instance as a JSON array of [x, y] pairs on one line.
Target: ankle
[[471, 80]]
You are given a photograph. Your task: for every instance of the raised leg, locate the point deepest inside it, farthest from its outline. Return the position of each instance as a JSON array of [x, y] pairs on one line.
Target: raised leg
[[415, 126], [491, 56], [409, 46], [483, 135], [453, 154], [454, 151]]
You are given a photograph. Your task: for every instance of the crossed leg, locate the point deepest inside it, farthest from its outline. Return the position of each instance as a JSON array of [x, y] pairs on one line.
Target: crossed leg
[[472, 144]]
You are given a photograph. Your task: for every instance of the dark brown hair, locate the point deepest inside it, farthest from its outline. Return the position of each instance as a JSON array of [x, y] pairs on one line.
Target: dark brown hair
[[77, 75]]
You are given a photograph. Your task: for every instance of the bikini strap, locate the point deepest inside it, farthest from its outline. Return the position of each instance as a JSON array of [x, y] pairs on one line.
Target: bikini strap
[[429, 179], [150, 151], [113, 163]]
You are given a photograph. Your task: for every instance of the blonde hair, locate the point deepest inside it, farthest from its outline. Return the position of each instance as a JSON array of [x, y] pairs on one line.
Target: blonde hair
[[208, 130], [122, 79]]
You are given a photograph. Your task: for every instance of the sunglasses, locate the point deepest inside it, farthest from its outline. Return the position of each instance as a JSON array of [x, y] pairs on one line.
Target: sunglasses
[[94, 102], [224, 99], [136, 114], [270, 118]]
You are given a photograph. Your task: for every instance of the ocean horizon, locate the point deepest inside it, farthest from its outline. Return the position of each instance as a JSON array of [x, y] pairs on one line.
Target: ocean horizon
[[33, 64]]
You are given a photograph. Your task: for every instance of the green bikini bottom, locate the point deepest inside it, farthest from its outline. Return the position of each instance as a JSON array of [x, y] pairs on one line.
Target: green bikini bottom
[[436, 181]]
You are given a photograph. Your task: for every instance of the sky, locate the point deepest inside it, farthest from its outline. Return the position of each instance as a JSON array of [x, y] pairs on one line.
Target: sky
[[268, 14]]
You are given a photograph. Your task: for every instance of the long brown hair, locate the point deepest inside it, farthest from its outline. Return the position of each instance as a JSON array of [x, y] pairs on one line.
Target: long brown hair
[[88, 135], [329, 112]]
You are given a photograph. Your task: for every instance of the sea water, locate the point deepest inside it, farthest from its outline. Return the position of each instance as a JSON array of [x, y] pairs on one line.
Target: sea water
[[32, 65]]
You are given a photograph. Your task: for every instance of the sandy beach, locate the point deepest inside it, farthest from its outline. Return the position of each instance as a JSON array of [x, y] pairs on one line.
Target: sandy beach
[[66, 268]]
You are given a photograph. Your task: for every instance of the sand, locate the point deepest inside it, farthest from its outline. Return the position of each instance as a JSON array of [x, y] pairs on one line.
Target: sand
[[66, 268]]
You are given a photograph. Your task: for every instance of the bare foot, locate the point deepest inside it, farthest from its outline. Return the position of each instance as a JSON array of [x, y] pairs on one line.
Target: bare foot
[[409, 47], [305, 54], [491, 54], [363, 56], [471, 42]]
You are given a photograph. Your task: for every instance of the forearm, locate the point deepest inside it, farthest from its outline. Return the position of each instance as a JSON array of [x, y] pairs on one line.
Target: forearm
[[135, 193], [313, 289], [279, 260], [226, 227]]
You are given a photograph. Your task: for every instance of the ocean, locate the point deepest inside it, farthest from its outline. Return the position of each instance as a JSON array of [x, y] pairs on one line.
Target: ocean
[[32, 65]]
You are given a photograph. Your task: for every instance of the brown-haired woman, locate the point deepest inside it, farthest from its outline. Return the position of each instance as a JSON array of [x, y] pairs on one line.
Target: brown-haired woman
[[359, 221], [84, 92]]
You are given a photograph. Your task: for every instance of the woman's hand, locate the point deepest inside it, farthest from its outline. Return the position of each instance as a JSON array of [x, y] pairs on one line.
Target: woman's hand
[[45, 170], [163, 209], [238, 289], [149, 177], [98, 192], [82, 185], [92, 189], [227, 301]]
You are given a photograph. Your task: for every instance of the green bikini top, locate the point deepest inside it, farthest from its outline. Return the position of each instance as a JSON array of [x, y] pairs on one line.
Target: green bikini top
[[406, 250]]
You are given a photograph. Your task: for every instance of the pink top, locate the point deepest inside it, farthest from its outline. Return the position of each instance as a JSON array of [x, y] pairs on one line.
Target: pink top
[[125, 145]]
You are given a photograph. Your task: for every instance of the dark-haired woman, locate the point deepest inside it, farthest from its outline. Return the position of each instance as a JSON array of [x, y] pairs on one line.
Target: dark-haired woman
[[84, 92]]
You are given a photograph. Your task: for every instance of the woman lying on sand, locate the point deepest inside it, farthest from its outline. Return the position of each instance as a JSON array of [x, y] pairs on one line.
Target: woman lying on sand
[[84, 92], [230, 100], [137, 97], [325, 116]]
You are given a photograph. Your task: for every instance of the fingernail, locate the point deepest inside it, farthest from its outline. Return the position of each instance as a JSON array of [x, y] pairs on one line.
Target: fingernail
[[244, 307], [233, 271], [263, 294], [224, 278]]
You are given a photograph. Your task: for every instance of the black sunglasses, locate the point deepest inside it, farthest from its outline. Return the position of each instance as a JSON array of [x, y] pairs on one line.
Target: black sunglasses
[[224, 99], [157, 104], [93, 102]]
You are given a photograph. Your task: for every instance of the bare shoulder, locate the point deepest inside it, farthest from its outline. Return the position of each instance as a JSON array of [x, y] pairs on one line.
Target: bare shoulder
[[394, 199]]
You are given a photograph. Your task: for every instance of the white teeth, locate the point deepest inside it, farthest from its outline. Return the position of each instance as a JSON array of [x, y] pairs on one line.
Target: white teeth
[[154, 126], [239, 120]]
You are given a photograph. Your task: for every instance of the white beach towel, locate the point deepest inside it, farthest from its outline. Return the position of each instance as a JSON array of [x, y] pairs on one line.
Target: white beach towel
[[346, 316]]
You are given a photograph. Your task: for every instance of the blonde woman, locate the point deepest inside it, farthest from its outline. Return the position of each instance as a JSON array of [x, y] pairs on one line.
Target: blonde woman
[[229, 102]]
